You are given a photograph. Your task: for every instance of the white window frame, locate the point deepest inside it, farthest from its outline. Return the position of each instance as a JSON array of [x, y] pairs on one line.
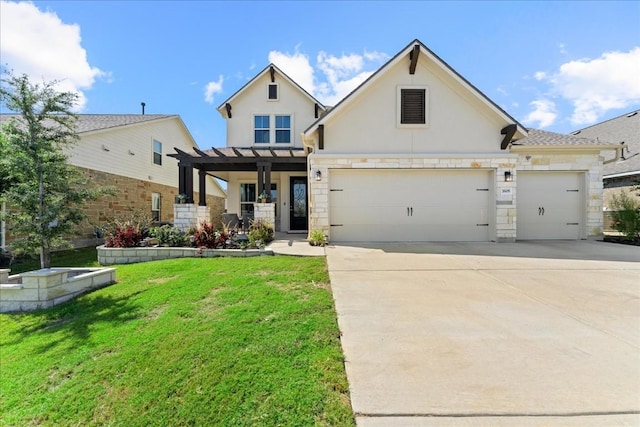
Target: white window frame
[[156, 205], [277, 98], [272, 130], [154, 152], [399, 107]]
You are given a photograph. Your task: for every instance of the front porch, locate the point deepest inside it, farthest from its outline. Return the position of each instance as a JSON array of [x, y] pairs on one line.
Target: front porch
[[280, 174]]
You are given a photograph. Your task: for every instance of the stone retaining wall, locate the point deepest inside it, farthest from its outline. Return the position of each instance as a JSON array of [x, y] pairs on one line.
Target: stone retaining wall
[[111, 256], [48, 287]]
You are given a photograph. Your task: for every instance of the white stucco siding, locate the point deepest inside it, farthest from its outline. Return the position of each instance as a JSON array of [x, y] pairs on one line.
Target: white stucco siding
[[128, 151], [252, 100], [458, 122]]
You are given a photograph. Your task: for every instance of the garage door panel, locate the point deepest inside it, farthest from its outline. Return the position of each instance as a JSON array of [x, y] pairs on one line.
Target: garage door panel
[[549, 205], [410, 205]]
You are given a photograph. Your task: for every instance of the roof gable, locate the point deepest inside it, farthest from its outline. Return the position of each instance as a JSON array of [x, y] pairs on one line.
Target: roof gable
[[410, 54], [269, 69]]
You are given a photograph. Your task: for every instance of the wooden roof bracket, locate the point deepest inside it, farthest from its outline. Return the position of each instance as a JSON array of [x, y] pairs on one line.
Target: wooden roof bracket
[[228, 107], [508, 132], [320, 137], [413, 56], [272, 71], [317, 108]]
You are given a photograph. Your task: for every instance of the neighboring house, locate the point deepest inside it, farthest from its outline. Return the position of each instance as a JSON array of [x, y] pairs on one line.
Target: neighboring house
[[621, 172], [128, 152], [415, 153]]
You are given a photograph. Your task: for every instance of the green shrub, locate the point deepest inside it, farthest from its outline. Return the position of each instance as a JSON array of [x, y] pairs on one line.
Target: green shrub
[[317, 238], [260, 231], [168, 236], [626, 215]]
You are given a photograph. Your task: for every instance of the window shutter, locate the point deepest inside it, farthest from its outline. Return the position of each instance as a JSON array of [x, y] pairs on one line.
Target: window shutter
[[412, 106]]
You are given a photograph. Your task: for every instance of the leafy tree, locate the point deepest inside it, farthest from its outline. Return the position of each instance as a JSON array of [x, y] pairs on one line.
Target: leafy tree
[[43, 193]]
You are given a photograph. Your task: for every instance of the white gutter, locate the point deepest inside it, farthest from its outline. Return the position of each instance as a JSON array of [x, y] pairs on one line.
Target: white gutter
[[621, 175]]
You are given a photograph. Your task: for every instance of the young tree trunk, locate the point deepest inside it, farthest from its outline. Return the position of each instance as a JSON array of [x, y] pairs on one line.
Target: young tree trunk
[[45, 257], [45, 254]]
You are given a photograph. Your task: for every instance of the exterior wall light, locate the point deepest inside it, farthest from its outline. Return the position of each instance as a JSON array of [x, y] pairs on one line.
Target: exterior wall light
[[318, 175], [507, 176]]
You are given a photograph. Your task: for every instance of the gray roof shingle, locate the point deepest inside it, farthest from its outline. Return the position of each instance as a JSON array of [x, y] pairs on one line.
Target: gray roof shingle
[[537, 137], [93, 122], [625, 128]]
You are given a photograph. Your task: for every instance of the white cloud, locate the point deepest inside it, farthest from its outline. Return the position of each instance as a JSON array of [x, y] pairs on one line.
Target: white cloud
[[296, 66], [40, 45], [338, 76], [595, 86], [540, 75], [544, 113], [213, 88]]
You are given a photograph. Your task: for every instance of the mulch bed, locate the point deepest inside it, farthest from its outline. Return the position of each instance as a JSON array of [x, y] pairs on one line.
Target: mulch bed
[[622, 240]]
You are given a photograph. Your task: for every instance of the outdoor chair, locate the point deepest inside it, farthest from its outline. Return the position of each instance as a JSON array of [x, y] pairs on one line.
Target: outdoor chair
[[231, 221]]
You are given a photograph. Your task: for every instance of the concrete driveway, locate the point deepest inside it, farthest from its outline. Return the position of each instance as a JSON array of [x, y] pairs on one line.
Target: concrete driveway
[[486, 334]]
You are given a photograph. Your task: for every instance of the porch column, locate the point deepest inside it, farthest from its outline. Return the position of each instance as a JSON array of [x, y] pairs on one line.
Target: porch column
[[260, 188], [202, 188], [264, 177], [267, 179], [185, 180]]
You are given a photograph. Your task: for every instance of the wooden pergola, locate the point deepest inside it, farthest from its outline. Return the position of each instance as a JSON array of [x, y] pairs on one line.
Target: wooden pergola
[[235, 159]]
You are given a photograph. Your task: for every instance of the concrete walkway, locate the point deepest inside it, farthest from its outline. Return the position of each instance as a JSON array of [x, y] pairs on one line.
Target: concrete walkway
[[294, 244], [485, 334]]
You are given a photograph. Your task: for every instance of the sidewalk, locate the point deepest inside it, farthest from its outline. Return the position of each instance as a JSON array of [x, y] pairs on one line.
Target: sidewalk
[[294, 244]]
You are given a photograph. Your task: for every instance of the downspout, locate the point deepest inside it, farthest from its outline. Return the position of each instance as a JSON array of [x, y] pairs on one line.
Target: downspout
[[309, 146], [616, 158]]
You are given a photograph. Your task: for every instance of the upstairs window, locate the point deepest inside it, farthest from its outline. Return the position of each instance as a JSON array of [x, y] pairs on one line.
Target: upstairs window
[[283, 129], [269, 129], [261, 129], [157, 152], [272, 92], [413, 106]]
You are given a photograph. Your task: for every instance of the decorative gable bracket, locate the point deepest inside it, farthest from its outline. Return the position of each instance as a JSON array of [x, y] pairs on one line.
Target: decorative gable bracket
[[272, 72], [413, 57], [228, 107], [508, 132]]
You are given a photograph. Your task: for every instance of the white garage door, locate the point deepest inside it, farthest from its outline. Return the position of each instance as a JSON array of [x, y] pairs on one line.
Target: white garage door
[[409, 205], [549, 205]]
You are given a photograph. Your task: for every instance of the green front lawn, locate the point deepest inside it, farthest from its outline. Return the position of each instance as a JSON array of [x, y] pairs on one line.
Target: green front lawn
[[198, 342]]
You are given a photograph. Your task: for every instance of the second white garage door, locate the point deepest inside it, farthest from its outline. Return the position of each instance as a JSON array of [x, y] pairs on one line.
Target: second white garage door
[[549, 205], [410, 205]]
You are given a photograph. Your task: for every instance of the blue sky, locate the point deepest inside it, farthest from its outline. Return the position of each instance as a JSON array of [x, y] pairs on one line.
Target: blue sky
[[558, 66]]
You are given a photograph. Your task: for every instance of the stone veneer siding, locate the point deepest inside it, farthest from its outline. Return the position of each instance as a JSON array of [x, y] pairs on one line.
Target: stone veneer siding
[[505, 209], [265, 212]]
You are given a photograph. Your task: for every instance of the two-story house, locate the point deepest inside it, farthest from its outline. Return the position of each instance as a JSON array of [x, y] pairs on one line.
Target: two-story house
[[415, 153]]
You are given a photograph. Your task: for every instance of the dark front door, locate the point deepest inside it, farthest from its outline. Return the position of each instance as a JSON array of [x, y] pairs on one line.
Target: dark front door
[[298, 204]]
